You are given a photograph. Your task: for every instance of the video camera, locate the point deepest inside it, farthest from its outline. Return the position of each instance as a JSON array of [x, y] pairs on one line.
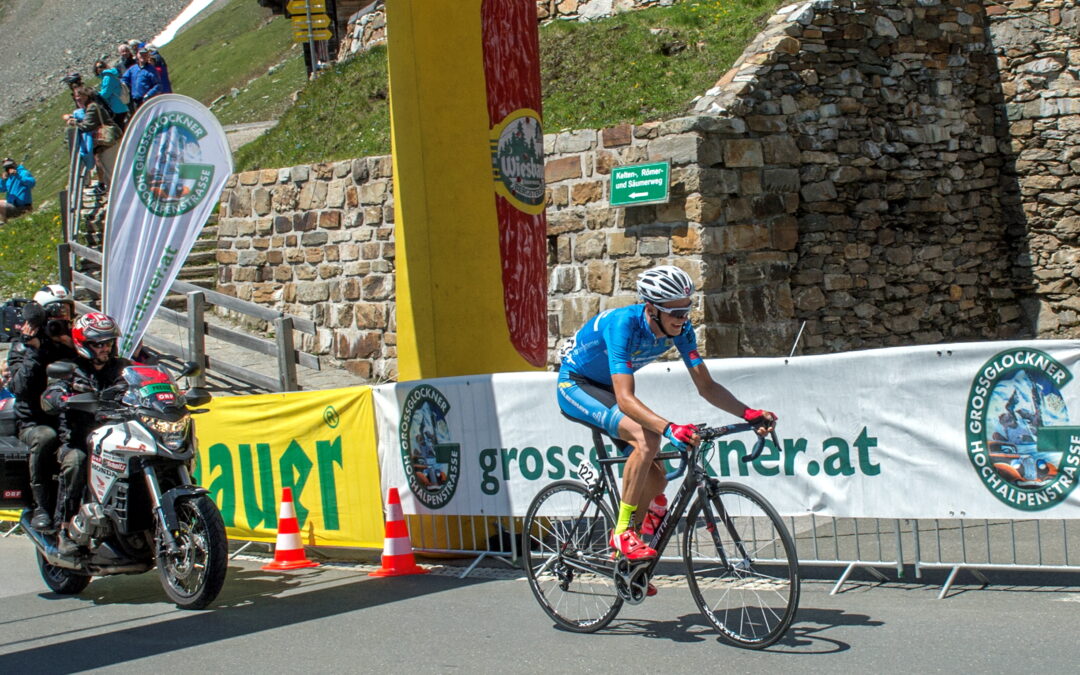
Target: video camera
[[16, 311], [11, 317]]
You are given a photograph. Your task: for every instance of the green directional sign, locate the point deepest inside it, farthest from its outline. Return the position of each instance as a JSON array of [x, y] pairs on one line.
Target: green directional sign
[[640, 184]]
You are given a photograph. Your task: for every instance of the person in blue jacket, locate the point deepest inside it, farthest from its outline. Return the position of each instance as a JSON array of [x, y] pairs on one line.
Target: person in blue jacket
[[158, 62], [142, 80], [15, 181], [110, 91]]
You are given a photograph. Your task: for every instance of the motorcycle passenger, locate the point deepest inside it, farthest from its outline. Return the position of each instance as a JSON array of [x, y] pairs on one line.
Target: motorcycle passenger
[[97, 368], [45, 337]]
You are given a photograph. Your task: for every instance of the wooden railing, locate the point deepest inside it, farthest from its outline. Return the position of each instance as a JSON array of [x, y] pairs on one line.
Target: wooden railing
[[194, 320]]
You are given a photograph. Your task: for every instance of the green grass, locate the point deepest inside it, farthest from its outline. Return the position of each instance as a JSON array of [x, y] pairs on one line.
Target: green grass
[[642, 66], [268, 97], [36, 139], [28, 253], [343, 114], [223, 51], [634, 67], [226, 50]]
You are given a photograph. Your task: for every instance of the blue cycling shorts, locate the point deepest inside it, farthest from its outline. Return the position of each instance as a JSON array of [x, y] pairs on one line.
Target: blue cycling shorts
[[590, 403]]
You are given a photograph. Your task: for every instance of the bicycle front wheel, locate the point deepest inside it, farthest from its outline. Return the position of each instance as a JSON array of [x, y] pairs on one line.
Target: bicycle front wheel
[[741, 565], [568, 558]]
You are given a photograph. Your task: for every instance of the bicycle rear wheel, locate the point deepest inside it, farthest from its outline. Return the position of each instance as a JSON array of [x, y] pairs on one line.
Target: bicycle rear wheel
[[568, 558], [743, 572]]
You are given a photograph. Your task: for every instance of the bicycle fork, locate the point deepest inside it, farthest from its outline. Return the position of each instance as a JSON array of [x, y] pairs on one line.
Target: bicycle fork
[[707, 502]]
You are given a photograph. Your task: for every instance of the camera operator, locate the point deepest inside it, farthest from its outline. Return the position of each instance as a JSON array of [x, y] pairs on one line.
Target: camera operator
[[45, 337]]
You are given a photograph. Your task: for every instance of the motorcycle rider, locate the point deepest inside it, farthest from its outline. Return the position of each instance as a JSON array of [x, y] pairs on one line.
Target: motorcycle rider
[[45, 337], [97, 368]]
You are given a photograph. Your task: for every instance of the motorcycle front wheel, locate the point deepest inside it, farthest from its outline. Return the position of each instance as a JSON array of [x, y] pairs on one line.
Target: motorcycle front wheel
[[193, 575], [61, 580]]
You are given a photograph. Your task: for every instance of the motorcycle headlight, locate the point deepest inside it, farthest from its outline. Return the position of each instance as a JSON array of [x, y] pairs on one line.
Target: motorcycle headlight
[[171, 434]]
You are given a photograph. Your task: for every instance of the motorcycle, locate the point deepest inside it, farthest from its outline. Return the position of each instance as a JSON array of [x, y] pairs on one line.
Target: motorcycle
[[140, 508]]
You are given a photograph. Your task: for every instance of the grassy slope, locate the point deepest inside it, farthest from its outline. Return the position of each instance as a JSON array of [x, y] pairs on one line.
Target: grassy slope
[[341, 115], [634, 67], [652, 63], [232, 46], [223, 51], [28, 254]]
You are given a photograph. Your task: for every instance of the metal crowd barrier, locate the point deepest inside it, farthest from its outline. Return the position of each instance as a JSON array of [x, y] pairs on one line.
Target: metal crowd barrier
[[870, 544]]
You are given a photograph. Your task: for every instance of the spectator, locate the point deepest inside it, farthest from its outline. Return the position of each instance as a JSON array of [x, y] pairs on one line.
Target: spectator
[[162, 69], [142, 80], [126, 58], [16, 182], [110, 91], [72, 80], [98, 121], [83, 140]]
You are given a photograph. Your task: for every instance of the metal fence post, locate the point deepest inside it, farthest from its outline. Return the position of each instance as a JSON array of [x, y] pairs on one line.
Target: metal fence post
[[196, 306], [286, 354]]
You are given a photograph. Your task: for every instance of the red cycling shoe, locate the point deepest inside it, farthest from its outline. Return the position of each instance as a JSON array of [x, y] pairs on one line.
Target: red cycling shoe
[[630, 545]]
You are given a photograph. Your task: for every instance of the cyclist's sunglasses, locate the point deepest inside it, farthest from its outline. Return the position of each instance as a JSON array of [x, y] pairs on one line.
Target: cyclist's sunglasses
[[675, 312], [99, 345]]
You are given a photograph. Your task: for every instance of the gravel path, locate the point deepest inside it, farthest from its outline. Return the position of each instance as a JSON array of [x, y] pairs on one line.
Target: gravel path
[[45, 39]]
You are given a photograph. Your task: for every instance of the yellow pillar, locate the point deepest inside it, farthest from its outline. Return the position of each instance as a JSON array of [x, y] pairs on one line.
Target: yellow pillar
[[451, 318]]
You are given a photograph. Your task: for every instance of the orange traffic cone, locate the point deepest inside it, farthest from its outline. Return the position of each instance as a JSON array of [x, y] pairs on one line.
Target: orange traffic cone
[[289, 552], [397, 557]]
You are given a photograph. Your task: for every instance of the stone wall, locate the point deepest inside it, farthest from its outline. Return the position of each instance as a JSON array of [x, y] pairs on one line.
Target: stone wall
[[364, 30], [318, 242], [1037, 48], [586, 10], [367, 28], [890, 173], [844, 173]]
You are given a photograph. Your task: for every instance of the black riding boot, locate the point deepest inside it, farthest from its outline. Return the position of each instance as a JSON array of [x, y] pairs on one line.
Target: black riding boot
[[40, 521]]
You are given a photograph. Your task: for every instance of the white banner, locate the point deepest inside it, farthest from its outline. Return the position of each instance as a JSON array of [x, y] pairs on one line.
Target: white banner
[[975, 430], [172, 165]]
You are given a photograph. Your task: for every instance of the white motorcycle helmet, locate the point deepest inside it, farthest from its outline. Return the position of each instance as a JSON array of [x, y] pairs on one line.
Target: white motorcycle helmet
[[54, 296]]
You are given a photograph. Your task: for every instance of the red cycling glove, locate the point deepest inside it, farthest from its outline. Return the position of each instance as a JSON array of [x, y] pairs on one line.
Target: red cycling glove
[[681, 435], [751, 415]]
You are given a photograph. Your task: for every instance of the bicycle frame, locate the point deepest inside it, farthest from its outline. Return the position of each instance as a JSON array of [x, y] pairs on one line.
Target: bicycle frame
[[694, 483], [749, 607]]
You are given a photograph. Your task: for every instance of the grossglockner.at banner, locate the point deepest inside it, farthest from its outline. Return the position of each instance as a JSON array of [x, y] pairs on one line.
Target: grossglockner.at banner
[[972, 430], [171, 168]]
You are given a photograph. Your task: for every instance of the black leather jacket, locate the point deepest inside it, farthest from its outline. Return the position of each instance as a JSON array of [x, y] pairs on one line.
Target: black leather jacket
[[28, 380], [76, 425]]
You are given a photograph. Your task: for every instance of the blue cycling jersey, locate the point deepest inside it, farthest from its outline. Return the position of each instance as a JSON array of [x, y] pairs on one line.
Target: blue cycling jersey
[[620, 341]]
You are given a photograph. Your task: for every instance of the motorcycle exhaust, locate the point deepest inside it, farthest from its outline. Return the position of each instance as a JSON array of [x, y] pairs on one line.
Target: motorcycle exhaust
[[47, 548], [53, 557]]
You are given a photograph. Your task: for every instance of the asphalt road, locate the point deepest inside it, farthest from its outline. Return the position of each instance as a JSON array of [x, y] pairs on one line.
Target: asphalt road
[[336, 618]]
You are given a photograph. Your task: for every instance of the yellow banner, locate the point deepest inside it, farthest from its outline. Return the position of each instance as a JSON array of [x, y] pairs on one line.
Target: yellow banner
[[319, 443], [12, 515]]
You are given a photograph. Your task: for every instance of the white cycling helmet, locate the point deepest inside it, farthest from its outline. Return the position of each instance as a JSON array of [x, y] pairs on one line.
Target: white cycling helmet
[[52, 294], [664, 284]]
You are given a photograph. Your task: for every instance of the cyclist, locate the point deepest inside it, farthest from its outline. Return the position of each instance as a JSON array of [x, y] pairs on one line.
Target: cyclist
[[596, 388]]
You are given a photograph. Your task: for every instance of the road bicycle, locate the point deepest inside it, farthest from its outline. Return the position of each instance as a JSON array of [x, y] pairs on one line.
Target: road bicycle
[[740, 559]]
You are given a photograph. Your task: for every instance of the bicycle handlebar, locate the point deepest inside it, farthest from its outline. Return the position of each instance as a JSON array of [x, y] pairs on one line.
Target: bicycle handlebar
[[712, 433]]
